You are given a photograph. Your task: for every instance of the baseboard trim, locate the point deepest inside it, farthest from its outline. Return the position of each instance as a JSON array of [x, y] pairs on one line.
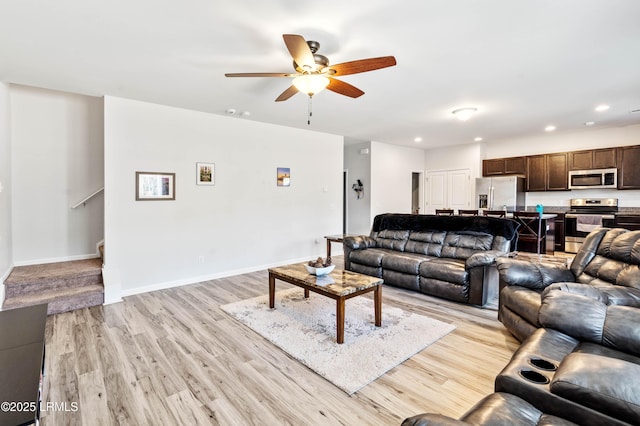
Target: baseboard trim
[[202, 278]]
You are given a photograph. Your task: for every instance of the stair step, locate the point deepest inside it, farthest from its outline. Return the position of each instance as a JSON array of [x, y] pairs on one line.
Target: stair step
[[25, 280], [60, 300]]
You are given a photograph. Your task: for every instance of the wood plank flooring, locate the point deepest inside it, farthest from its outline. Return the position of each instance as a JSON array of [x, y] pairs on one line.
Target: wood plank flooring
[[173, 357]]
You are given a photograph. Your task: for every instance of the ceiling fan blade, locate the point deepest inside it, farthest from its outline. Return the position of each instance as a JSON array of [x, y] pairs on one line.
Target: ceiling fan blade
[[287, 94], [362, 65], [258, 74], [343, 88], [300, 51]]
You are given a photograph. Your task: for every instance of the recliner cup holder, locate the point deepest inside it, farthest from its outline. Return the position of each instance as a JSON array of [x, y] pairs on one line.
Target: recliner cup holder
[[543, 364], [534, 376]]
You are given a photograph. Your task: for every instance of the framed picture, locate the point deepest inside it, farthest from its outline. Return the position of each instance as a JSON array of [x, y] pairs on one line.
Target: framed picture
[[283, 177], [205, 174], [155, 186]]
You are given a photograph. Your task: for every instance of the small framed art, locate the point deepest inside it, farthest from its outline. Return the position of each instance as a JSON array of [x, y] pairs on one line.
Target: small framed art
[[283, 176], [205, 174], [155, 186]]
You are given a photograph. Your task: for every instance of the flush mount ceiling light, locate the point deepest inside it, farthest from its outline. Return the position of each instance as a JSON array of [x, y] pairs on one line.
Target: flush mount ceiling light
[[478, 139], [601, 108], [463, 114], [550, 128], [418, 139]]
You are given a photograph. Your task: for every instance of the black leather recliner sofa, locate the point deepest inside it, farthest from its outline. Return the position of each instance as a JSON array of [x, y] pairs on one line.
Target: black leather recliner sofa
[[608, 260], [581, 362], [449, 257]]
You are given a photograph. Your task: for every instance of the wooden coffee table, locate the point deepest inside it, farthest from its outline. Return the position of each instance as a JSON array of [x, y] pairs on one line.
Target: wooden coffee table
[[338, 285]]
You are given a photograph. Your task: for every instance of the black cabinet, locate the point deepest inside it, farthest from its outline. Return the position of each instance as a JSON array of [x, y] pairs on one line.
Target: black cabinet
[[559, 232], [21, 363], [630, 222]]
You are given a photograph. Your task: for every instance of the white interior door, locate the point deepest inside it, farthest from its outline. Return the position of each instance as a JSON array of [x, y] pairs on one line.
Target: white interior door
[[448, 189], [437, 184]]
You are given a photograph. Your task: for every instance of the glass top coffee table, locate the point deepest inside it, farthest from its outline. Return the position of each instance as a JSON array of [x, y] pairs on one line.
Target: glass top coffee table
[[338, 285]]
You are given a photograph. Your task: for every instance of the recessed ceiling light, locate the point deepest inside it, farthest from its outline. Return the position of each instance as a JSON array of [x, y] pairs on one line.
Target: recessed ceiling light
[[463, 114], [601, 108], [478, 139], [589, 123], [549, 128], [418, 139]]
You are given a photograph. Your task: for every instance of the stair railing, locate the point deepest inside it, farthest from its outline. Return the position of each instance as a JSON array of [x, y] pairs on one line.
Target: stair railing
[[83, 202]]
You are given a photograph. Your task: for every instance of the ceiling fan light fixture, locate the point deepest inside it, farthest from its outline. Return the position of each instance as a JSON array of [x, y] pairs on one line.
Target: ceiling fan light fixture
[[463, 114], [311, 84]]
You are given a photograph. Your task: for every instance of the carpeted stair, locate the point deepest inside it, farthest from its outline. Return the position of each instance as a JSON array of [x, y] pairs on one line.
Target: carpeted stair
[[65, 286]]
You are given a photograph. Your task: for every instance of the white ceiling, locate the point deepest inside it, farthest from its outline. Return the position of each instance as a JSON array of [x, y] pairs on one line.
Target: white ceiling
[[524, 64]]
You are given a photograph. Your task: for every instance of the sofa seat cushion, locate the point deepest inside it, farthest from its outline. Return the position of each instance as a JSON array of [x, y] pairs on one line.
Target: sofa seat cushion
[[601, 381], [408, 263], [445, 269], [523, 301]]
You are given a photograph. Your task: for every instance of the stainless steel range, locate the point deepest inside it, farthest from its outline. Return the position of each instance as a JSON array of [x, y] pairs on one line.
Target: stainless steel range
[[585, 215]]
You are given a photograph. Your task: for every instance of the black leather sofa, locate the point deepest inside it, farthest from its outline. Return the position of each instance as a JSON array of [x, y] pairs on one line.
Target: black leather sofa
[[581, 361], [449, 257], [608, 260]]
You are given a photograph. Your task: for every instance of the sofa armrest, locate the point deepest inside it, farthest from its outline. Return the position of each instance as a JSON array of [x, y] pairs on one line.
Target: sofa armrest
[[484, 258], [584, 315], [535, 276], [359, 242]]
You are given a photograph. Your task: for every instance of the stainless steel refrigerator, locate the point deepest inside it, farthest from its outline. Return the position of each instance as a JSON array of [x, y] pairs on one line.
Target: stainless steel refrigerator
[[500, 193]]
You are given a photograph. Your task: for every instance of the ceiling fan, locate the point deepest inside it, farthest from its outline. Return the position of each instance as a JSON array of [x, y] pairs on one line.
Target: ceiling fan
[[313, 72]]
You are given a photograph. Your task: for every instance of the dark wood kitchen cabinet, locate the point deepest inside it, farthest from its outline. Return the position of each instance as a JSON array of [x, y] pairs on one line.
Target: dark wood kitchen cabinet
[[604, 158], [559, 232], [630, 222], [536, 173], [504, 166], [557, 172], [628, 167], [547, 172]]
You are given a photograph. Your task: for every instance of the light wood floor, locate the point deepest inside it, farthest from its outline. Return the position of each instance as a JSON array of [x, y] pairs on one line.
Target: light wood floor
[[174, 357]]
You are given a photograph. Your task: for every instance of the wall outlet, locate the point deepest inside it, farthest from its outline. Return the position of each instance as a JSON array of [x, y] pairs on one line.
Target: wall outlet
[[200, 259]]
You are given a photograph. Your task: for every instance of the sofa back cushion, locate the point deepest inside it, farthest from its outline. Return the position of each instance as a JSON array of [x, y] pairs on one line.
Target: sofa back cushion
[[615, 261], [394, 240], [428, 242], [461, 245]]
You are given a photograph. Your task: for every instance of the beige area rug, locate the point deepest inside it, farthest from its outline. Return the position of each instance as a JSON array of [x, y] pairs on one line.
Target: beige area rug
[[306, 330]]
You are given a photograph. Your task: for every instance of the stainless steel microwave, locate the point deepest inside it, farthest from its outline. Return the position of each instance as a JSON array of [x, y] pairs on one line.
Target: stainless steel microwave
[[597, 178]]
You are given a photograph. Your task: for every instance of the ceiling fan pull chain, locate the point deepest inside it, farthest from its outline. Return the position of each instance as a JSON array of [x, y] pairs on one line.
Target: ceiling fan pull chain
[[309, 112]]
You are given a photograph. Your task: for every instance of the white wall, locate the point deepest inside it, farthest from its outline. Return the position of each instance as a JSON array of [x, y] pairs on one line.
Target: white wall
[[6, 252], [57, 160], [391, 170], [358, 166], [242, 223]]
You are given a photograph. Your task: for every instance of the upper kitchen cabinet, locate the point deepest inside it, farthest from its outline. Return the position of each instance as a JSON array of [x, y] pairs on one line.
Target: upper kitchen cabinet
[[628, 161], [557, 172], [536, 173], [604, 158], [504, 166], [547, 172]]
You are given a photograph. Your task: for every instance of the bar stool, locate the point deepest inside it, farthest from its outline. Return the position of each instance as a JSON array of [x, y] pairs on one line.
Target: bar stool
[[495, 213], [444, 212], [530, 231], [467, 212]]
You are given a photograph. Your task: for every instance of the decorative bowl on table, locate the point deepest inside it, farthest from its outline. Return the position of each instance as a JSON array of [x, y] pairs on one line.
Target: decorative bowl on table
[[320, 270]]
